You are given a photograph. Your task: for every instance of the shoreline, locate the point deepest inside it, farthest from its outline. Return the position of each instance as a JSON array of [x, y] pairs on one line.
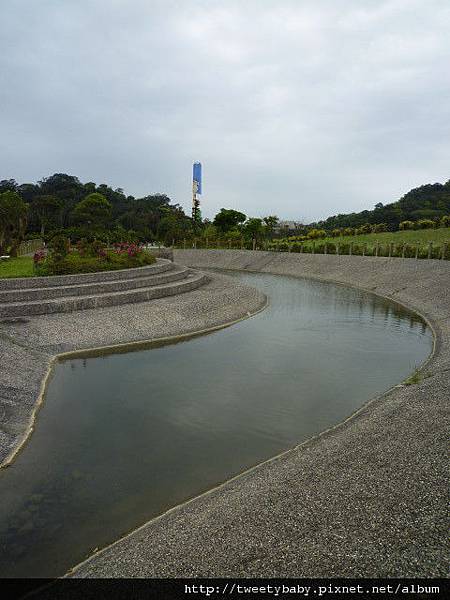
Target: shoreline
[[223, 305], [135, 555]]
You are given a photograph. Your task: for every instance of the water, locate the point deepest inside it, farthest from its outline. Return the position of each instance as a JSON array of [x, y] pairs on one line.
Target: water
[[124, 437]]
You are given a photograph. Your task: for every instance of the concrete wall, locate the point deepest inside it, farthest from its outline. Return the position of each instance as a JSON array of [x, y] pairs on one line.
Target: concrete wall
[[367, 498]]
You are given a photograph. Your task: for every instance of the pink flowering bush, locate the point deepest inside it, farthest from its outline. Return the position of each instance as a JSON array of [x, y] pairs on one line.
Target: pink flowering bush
[[90, 257], [38, 257]]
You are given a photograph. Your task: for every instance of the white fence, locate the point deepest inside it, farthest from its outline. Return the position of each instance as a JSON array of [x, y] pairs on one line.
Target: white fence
[[29, 246]]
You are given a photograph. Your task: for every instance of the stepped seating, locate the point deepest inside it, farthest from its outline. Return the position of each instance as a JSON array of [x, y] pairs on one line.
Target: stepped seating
[[66, 293]]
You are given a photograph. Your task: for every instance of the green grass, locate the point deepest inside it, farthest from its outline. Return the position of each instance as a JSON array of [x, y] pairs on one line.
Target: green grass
[[407, 244], [16, 267], [423, 236], [413, 379]]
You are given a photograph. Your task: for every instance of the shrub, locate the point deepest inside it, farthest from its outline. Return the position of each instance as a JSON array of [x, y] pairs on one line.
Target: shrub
[[424, 224], [409, 251], [316, 234], [38, 258], [445, 221], [74, 262], [59, 247], [379, 227], [108, 236], [404, 225], [366, 228], [349, 231], [336, 232]]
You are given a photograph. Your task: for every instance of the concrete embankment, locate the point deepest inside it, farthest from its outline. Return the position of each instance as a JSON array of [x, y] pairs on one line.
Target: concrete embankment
[[364, 499], [30, 344]]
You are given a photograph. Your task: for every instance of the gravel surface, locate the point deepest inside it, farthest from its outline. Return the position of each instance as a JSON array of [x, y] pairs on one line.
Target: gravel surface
[[364, 499]]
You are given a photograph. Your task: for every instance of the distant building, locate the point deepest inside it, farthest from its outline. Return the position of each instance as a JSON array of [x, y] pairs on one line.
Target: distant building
[[282, 226]]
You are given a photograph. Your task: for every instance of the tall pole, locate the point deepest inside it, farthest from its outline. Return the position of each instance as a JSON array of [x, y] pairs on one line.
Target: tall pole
[[196, 189], [195, 206]]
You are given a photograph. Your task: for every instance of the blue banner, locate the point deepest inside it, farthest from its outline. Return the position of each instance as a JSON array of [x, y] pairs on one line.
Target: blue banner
[[197, 177]]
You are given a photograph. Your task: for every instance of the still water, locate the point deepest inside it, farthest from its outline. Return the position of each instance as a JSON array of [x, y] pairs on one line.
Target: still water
[[124, 437]]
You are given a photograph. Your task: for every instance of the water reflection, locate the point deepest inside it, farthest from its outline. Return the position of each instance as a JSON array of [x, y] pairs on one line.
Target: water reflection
[[124, 437]]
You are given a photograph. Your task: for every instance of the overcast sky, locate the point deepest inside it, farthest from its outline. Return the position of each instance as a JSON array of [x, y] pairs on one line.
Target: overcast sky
[[300, 108]]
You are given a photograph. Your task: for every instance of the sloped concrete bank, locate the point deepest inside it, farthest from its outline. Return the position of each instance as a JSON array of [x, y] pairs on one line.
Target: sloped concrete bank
[[29, 345], [367, 498]]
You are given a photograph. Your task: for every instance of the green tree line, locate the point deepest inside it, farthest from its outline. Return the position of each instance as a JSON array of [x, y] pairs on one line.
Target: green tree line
[[427, 202], [62, 204]]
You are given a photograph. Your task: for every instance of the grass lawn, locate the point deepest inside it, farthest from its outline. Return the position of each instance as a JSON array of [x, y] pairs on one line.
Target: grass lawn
[[423, 236], [422, 243], [17, 267]]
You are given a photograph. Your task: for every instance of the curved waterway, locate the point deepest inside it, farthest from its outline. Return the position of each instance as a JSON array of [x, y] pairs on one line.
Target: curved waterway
[[122, 438]]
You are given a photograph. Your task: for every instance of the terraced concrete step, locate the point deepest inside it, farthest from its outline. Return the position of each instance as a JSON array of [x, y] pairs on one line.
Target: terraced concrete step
[[71, 303], [162, 265], [176, 273]]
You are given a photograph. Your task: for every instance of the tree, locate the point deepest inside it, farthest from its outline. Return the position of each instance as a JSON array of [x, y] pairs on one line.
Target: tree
[[47, 208], [8, 185], [271, 222], [254, 229], [174, 225], [227, 219], [67, 188], [94, 211], [13, 221], [210, 232]]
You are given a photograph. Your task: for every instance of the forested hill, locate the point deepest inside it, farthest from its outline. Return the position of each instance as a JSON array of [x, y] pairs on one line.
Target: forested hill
[[431, 201], [52, 202]]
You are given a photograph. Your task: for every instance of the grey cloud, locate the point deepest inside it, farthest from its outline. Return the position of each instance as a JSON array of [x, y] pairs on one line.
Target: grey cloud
[[300, 108]]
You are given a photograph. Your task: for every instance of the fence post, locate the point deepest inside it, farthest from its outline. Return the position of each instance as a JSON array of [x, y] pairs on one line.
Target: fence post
[[314, 247], [377, 248], [444, 251], [417, 251], [195, 243], [364, 248], [403, 249], [390, 249], [430, 249], [254, 243], [301, 248], [289, 247], [337, 249], [325, 248], [350, 252]]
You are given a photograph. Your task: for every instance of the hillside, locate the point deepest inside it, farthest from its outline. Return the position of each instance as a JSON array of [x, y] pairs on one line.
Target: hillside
[[430, 201]]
